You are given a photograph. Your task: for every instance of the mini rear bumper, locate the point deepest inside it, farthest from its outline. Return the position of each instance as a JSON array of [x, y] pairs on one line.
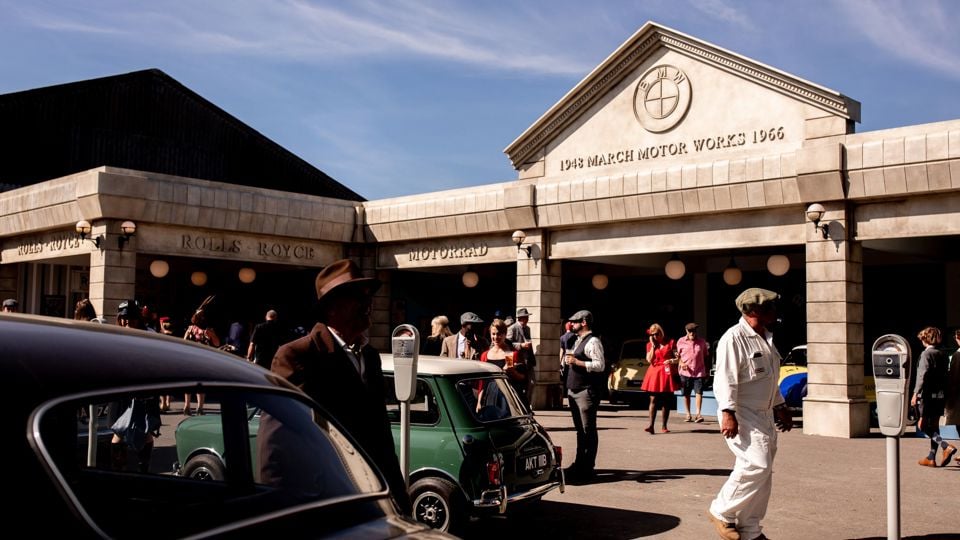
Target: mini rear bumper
[[500, 499]]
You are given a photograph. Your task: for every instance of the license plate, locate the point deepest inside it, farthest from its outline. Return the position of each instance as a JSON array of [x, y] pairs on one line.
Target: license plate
[[634, 383], [538, 461]]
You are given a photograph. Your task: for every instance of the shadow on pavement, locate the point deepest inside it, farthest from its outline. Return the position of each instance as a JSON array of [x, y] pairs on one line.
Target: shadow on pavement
[[575, 520], [607, 476], [571, 428]]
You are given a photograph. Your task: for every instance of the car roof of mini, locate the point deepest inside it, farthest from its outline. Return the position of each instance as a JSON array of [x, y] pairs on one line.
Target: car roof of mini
[[435, 365], [46, 357]]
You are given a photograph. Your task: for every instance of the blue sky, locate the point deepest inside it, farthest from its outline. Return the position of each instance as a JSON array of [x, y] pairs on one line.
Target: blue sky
[[401, 97]]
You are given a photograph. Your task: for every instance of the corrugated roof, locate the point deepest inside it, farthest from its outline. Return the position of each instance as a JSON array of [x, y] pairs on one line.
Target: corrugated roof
[[146, 121]]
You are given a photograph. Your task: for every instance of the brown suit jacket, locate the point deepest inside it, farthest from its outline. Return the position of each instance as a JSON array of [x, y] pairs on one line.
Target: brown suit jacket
[[471, 350], [323, 371]]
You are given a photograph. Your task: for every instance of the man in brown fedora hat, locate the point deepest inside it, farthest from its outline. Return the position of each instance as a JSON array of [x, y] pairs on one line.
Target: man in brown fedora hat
[[335, 365]]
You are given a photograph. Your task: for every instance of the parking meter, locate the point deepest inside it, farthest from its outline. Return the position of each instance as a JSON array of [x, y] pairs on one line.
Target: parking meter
[[890, 357], [405, 346]]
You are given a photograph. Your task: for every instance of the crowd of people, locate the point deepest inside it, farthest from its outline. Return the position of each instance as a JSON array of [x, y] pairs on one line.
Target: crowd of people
[[335, 364]]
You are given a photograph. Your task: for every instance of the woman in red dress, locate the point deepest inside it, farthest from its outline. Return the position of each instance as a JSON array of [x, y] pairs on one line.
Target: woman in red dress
[[659, 380]]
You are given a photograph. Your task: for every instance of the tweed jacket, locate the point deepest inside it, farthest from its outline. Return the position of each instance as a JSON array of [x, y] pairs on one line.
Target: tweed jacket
[[471, 349], [318, 366]]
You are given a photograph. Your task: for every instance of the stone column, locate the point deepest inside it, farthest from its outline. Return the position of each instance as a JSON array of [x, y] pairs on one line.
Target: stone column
[[366, 259], [538, 290], [113, 270], [835, 405]]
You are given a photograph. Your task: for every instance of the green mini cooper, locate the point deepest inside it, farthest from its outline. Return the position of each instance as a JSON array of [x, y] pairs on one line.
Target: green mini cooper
[[474, 447]]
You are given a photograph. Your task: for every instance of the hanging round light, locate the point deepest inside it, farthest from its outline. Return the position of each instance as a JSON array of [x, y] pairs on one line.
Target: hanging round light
[[247, 275], [198, 278], [600, 281], [675, 269], [732, 274], [470, 279], [778, 265], [159, 268]]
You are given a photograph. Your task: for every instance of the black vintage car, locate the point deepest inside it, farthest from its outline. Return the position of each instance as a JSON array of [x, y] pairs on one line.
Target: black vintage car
[[67, 383]]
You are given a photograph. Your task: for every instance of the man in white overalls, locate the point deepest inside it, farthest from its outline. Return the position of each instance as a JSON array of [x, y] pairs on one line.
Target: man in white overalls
[[748, 394]]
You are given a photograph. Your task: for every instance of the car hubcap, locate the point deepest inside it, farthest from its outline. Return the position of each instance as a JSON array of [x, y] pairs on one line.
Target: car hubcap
[[430, 508], [202, 473]]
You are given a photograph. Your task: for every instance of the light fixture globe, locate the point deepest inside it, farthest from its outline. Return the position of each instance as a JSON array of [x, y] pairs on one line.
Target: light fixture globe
[[470, 279], [247, 275], [815, 212], [128, 228], [83, 227], [518, 237], [732, 275], [675, 269], [159, 268], [600, 281], [198, 278], [778, 265]]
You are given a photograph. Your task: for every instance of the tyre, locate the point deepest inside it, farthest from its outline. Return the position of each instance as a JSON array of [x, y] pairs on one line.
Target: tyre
[[204, 467], [438, 504]]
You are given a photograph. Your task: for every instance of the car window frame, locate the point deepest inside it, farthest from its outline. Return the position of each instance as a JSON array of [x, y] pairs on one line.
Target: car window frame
[[487, 376], [435, 401], [62, 485]]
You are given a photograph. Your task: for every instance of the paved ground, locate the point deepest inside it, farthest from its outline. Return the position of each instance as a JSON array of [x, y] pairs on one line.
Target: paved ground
[[659, 486]]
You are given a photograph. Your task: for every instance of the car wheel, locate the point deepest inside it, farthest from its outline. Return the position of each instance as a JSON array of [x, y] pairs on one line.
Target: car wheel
[[204, 467], [437, 503]]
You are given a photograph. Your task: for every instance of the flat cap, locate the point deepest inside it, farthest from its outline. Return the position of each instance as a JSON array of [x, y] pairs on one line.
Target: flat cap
[[10, 303], [690, 327], [470, 317], [522, 312], [582, 315], [755, 297]]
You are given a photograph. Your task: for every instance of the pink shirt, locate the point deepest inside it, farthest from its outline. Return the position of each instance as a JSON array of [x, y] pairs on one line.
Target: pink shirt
[[693, 352]]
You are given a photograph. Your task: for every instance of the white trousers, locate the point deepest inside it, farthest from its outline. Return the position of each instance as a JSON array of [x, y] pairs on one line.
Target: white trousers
[[743, 498]]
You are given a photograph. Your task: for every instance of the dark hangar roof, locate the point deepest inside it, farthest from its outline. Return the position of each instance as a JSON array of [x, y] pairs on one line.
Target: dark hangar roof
[[145, 121]]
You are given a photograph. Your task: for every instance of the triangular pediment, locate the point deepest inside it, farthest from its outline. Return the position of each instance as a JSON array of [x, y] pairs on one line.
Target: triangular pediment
[[699, 80]]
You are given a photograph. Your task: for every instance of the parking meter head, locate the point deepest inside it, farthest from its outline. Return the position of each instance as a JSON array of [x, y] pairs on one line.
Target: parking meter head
[[405, 346], [890, 359]]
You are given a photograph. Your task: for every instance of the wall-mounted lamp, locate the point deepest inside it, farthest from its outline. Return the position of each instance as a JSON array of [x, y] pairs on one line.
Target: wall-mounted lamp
[[814, 214], [83, 228], [675, 269], [128, 228], [518, 238], [732, 274], [470, 279]]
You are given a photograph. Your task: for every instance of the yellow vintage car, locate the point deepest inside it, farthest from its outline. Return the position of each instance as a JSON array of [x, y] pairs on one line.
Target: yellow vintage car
[[626, 373]]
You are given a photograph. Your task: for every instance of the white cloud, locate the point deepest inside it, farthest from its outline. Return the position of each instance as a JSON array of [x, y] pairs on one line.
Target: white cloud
[[920, 32], [488, 37], [722, 11]]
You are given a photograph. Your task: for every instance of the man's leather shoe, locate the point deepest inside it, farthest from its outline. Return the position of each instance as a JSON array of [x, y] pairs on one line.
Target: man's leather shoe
[[927, 462], [727, 531], [948, 453]]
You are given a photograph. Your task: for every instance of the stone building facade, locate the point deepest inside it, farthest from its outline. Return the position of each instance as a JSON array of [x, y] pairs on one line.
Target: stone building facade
[[671, 149]]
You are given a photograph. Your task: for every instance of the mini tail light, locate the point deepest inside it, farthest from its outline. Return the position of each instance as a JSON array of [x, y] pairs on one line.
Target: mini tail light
[[493, 472], [558, 453]]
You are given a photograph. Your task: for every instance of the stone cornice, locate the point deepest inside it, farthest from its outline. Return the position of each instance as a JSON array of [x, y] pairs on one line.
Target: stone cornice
[[639, 47]]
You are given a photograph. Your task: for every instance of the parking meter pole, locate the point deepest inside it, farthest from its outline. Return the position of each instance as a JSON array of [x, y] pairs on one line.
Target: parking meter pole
[[405, 343], [405, 441], [893, 488], [890, 358]]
